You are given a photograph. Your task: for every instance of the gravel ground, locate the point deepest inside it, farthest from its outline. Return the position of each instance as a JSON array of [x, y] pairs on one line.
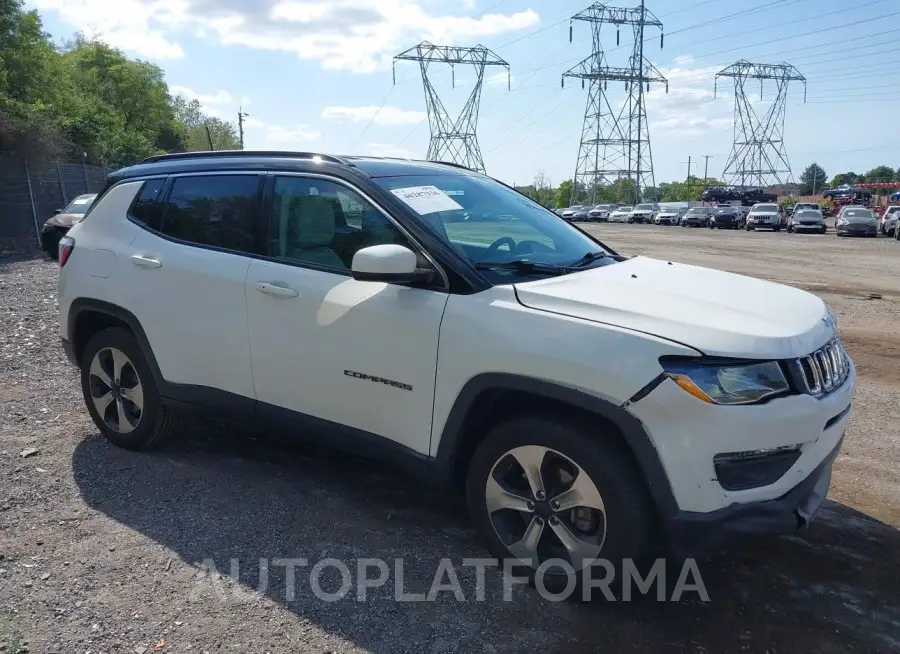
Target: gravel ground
[[103, 550]]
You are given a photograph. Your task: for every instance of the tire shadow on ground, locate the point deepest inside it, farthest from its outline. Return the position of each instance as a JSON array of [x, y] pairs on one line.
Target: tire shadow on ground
[[222, 495]]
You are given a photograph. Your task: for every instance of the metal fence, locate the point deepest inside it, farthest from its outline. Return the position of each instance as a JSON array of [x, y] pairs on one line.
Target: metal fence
[[30, 193]]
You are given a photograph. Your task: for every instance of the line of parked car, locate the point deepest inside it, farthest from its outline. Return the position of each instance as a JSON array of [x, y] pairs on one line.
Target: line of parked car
[[851, 220]]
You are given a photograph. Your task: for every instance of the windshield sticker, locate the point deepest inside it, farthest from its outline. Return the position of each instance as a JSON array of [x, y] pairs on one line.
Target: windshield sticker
[[82, 201], [426, 199]]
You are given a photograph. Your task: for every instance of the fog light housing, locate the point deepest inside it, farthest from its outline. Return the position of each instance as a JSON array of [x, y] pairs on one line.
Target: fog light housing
[[754, 468]]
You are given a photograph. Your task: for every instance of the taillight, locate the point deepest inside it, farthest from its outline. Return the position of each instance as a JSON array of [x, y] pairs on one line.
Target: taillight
[[66, 246]]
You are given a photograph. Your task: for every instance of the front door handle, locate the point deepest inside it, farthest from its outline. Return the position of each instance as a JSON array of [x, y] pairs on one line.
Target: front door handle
[[145, 262], [274, 289]]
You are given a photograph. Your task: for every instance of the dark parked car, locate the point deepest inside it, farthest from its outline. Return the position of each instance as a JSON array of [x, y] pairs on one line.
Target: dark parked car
[[726, 218], [696, 217], [581, 214], [58, 224], [856, 221]]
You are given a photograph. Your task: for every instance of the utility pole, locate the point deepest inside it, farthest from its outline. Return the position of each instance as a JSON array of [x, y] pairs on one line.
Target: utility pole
[[706, 170], [241, 116], [687, 180]]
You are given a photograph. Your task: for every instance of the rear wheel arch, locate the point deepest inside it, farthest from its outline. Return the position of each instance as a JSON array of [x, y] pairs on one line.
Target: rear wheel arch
[[88, 316], [492, 398]]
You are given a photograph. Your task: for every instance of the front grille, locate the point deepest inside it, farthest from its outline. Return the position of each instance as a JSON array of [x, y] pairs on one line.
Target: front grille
[[825, 369]]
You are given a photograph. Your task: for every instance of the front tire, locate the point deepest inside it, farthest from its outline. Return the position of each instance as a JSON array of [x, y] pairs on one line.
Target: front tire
[[541, 488], [120, 392]]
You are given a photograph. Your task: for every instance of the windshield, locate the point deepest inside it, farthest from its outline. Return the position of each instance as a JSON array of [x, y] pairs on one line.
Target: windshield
[[644, 207], [766, 207], [79, 205], [858, 213], [697, 212], [491, 224], [807, 206]]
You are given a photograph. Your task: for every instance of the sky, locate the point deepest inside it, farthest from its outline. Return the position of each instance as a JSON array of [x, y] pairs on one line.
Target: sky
[[316, 75]]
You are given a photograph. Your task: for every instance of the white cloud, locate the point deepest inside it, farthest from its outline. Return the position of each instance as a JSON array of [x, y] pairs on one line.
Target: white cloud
[[387, 150], [357, 35], [253, 123], [284, 138], [503, 78], [386, 116], [689, 108], [467, 4], [206, 99], [684, 60], [127, 24]]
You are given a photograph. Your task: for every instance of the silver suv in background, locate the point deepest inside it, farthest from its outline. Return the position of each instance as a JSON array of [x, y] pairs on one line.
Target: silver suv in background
[[807, 220], [765, 215]]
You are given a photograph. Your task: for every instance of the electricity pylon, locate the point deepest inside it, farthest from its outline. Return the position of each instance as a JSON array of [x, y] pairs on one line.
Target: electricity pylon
[[758, 157], [615, 145], [453, 140]]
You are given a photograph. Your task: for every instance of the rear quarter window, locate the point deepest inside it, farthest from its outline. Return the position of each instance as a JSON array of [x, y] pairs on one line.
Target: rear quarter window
[[146, 209]]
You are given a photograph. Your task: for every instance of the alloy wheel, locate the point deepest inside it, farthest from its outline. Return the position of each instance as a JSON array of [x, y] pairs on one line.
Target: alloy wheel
[[542, 505], [116, 390]]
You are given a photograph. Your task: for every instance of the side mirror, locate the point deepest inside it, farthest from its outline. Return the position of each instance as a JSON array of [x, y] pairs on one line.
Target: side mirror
[[392, 264], [56, 211]]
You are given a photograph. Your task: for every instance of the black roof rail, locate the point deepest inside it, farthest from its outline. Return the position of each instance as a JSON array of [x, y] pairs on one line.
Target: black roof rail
[[204, 154]]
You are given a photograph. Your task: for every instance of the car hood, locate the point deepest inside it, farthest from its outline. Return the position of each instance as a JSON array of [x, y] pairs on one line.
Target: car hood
[[64, 219], [858, 220], [715, 312]]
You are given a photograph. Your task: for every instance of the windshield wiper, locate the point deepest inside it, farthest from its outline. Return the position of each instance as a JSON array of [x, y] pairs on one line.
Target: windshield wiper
[[521, 266], [589, 257]]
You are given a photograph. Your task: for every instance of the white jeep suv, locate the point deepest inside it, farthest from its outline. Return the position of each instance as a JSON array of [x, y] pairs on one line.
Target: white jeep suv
[[589, 405]]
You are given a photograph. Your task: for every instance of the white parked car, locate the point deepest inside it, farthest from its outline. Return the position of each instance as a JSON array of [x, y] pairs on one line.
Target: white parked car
[[887, 223], [643, 213], [669, 215], [620, 215], [588, 405]]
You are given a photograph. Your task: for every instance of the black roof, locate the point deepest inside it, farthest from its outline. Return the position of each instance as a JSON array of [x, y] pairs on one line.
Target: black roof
[[278, 160]]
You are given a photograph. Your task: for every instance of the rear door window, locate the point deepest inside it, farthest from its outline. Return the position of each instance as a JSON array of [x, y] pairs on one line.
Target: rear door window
[[216, 210]]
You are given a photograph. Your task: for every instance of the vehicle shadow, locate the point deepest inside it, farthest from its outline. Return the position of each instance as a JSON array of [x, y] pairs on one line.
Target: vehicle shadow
[[224, 495]]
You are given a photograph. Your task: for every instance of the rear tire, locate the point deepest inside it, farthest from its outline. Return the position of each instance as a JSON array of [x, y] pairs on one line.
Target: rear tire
[[120, 392], [620, 528]]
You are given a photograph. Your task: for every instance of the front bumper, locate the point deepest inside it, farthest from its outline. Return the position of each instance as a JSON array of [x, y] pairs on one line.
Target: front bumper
[[852, 230], [692, 534], [689, 434]]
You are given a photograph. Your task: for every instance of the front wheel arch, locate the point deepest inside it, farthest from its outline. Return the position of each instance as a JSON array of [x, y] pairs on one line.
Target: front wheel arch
[[487, 399]]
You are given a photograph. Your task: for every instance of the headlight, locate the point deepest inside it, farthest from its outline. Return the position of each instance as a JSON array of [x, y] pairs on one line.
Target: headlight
[[842, 221], [728, 384]]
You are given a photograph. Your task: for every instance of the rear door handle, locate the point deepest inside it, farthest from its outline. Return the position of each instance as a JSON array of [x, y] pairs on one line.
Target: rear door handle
[[276, 290], [145, 262]]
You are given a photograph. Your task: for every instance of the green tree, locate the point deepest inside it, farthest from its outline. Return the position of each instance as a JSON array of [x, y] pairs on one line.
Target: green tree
[[813, 179], [199, 129], [880, 174], [652, 194], [563, 194], [845, 178]]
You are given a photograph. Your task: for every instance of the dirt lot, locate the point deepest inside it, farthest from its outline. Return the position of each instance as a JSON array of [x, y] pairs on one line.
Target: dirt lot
[[100, 548]]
